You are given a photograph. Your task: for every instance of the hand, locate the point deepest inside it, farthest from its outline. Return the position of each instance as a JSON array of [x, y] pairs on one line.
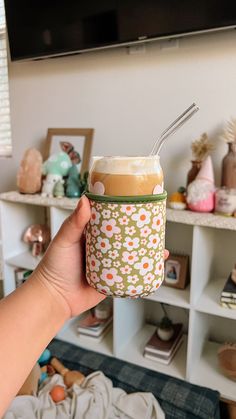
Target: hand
[[62, 267]]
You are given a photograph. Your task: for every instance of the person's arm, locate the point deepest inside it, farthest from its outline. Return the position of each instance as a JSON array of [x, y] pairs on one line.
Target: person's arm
[[29, 318], [32, 315]]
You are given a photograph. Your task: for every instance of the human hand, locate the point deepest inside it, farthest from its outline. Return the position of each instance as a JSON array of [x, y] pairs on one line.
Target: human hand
[[62, 267]]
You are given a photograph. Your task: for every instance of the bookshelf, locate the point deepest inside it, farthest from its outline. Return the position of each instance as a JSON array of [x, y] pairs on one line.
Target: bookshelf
[[208, 239]]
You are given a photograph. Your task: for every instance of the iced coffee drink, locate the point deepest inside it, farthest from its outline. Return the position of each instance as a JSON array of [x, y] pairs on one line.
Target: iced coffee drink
[[126, 176], [125, 237]]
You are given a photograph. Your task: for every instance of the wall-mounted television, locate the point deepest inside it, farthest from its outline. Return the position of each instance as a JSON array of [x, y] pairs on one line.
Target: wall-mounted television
[[44, 28]]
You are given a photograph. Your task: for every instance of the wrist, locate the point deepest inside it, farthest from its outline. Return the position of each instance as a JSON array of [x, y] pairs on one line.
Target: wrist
[[52, 299]]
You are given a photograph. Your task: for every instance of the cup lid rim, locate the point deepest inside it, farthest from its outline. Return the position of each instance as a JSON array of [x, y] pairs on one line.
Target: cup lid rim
[[124, 199]]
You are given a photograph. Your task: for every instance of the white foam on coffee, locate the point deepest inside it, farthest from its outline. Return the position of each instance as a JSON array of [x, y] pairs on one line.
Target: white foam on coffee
[[127, 165]]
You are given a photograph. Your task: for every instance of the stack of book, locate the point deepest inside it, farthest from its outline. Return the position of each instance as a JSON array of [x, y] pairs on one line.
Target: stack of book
[[228, 294], [92, 327], [164, 351]]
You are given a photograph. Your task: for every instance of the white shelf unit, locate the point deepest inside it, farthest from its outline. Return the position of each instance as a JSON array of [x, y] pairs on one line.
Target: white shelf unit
[[209, 240]]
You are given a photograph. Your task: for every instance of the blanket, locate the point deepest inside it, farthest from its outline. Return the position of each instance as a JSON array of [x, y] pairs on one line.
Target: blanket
[[95, 398]]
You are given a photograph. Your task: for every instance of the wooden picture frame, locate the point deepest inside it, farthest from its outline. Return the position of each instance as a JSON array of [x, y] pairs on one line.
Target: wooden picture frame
[[82, 144], [177, 271]]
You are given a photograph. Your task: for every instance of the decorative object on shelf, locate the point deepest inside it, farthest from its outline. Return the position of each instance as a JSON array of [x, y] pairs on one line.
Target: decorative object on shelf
[[165, 329], [83, 182], [55, 168], [201, 192], [177, 271], [72, 183], [200, 150], [58, 190], [103, 310], [177, 199], [90, 326], [228, 294], [228, 177], [38, 236], [227, 359], [161, 350], [225, 201], [76, 142], [30, 172], [69, 377]]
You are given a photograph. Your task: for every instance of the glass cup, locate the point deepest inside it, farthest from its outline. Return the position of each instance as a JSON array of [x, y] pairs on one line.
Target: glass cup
[[125, 237]]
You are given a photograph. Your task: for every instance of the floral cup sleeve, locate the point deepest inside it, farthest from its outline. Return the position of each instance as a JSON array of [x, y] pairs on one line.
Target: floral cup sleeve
[[125, 243]]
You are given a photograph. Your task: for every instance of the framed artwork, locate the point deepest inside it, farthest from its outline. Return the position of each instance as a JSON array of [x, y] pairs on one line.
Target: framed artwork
[[177, 271], [76, 142]]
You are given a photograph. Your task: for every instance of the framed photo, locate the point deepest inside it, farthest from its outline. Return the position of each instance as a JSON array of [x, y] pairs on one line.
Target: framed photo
[[77, 142], [177, 271]]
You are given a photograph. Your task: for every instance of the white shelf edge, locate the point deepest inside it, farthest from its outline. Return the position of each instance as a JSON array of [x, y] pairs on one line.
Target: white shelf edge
[[207, 373], [69, 334], [177, 216], [24, 260], [172, 296], [201, 219], [133, 352], [37, 199]]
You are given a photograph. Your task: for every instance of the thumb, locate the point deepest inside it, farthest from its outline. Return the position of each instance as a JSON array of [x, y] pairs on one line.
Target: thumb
[[72, 229]]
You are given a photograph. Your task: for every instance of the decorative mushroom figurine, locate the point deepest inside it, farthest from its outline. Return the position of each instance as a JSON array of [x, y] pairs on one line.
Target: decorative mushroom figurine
[[38, 236], [55, 167]]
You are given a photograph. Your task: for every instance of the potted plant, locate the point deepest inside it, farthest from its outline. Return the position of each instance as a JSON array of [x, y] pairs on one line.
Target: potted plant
[[165, 329]]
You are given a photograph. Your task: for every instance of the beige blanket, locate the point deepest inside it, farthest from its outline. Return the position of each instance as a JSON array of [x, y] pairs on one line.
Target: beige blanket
[[96, 398]]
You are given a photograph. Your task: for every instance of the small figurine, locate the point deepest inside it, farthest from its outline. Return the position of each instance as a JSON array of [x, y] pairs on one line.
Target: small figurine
[[38, 235], [178, 200], [30, 171], [72, 184], [55, 168], [201, 192], [58, 190]]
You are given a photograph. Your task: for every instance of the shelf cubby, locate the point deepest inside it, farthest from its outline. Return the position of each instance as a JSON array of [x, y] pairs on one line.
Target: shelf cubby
[[208, 239]]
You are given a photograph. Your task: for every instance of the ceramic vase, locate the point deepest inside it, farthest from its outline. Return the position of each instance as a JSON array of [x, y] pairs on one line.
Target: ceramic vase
[[228, 178]]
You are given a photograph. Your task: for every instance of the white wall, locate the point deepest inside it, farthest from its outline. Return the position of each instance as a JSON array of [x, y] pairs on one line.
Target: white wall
[[128, 99]]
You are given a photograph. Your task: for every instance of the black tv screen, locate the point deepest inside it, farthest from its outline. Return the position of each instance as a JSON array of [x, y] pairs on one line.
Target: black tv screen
[[41, 28]]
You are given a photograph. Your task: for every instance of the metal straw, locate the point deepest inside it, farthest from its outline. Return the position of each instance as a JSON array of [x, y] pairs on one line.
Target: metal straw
[[173, 127]]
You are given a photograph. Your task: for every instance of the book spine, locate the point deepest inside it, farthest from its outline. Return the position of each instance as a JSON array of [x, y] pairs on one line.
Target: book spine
[[160, 352], [228, 294], [164, 361], [228, 300]]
